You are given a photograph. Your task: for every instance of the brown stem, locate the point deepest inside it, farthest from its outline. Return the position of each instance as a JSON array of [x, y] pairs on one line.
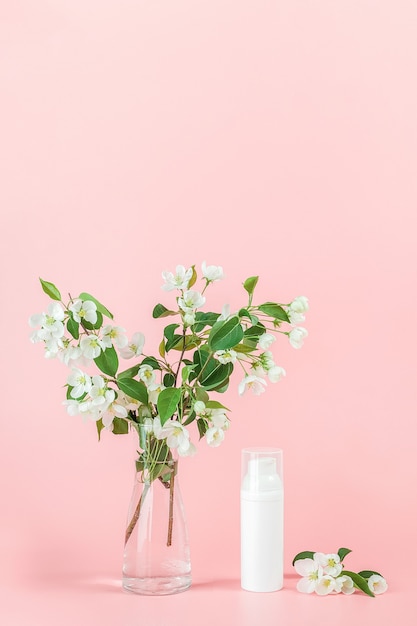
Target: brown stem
[[136, 514], [171, 506]]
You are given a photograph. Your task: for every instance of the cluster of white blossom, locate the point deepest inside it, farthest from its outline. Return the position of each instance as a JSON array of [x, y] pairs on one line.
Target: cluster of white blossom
[[261, 367], [323, 574], [102, 397]]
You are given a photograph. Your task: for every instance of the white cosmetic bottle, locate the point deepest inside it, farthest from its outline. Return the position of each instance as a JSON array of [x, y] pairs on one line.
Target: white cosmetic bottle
[[262, 520]]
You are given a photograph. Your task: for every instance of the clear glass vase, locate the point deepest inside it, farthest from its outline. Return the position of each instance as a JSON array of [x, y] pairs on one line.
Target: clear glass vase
[[156, 555]]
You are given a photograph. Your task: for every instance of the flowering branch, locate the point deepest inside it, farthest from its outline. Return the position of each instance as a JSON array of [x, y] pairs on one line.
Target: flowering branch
[[161, 395], [324, 574]]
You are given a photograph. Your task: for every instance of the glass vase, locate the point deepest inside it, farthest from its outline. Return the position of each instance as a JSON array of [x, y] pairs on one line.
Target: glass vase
[[156, 555]]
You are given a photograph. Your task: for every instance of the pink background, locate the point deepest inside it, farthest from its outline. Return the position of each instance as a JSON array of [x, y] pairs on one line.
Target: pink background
[[272, 138]]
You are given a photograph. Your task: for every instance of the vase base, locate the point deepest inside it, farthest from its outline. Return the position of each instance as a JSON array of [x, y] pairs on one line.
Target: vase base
[[157, 585]]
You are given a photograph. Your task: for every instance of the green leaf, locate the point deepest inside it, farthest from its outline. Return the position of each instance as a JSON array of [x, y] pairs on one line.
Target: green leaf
[[202, 427], [193, 278], [50, 290], [177, 341], [167, 403], [150, 360], [204, 319], [367, 573], [169, 380], [73, 328], [211, 372], [129, 373], [100, 307], [120, 426], [189, 342], [201, 394], [133, 388], [161, 348], [172, 339], [221, 388], [218, 378], [342, 552], [225, 334], [245, 313], [213, 404], [359, 582], [161, 311], [100, 427], [274, 310], [185, 372], [170, 330], [307, 554], [254, 332], [245, 348], [250, 284], [189, 419], [108, 361]]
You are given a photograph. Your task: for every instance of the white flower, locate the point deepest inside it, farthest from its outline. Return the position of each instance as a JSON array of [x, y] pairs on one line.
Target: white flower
[[52, 347], [299, 304], [212, 272], [329, 562], [189, 318], [131, 404], [344, 584], [176, 435], [225, 356], [101, 395], [91, 346], [134, 347], [73, 407], [50, 322], [84, 310], [191, 300], [297, 336], [266, 340], [112, 411], [179, 280], [146, 374], [214, 436], [295, 318], [255, 383], [69, 353], [190, 451], [219, 418], [311, 572], [114, 335], [296, 310], [325, 585], [275, 373], [377, 584], [199, 407], [89, 411], [154, 390], [80, 383]]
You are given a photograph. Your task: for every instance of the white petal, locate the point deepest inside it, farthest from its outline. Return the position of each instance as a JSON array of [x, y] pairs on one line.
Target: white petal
[[304, 567], [305, 585]]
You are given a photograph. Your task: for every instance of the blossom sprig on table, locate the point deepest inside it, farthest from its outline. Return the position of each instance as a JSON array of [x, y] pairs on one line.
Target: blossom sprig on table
[[324, 574], [160, 396]]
